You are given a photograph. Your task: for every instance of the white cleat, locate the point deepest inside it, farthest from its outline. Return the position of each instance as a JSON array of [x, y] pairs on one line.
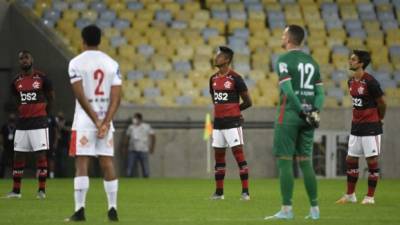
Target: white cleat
[[13, 195], [281, 215], [368, 200], [41, 195], [314, 213], [347, 199], [217, 197], [245, 197]]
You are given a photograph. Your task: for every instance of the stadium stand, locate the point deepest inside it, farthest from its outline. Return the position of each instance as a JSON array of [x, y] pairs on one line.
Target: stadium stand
[[165, 47]]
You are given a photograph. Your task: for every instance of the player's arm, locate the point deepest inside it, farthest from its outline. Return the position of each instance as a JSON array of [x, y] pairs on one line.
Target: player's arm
[[49, 94], [152, 142], [376, 92], [381, 105], [246, 100], [319, 94], [285, 84], [115, 99], [211, 89], [241, 87], [79, 94]]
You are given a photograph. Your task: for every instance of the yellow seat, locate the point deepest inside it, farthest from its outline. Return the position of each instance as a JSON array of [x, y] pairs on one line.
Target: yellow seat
[[70, 15], [331, 102], [235, 24], [217, 41], [163, 65], [183, 16], [186, 51], [202, 101], [257, 15], [117, 6], [217, 24], [154, 6], [165, 101], [144, 15], [144, 83], [191, 7], [184, 84], [127, 15], [255, 43], [202, 63]]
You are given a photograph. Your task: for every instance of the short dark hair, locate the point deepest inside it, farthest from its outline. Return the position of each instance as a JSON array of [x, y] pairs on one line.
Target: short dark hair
[[363, 56], [138, 115], [91, 35], [228, 53], [24, 51], [296, 33]]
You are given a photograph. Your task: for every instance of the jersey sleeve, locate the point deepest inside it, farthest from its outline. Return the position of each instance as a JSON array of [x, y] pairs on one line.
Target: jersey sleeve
[[128, 131], [47, 84], [374, 89], [73, 72], [282, 69], [318, 78], [117, 80], [240, 84], [150, 129], [210, 86]]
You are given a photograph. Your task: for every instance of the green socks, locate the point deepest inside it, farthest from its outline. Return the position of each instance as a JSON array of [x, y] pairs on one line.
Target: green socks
[[286, 180], [310, 181]]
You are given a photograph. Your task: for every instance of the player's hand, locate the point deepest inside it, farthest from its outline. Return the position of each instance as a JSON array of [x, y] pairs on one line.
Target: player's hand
[[241, 120], [103, 130], [312, 117]]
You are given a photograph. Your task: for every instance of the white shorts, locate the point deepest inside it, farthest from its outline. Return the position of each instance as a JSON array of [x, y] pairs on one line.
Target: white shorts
[[86, 143], [227, 137], [366, 146], [31, 140]]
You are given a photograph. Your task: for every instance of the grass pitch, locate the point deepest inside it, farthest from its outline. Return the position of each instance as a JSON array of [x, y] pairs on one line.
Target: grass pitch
[[185, 201]]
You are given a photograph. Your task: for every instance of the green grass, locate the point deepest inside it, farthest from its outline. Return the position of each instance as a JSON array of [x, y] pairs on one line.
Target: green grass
[[185, 201]]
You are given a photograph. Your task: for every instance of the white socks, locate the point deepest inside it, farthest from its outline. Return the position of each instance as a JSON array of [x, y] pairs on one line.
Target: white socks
[[81, 186], [111, 188]]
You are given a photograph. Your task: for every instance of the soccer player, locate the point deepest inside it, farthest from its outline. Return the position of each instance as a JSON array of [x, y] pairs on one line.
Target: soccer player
[[96, 84], [34, 94], [301, 99], [226, 88], [369, 110]]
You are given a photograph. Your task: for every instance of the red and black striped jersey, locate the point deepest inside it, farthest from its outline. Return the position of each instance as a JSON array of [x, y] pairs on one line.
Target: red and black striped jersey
[[225, 91], [30, 91], [364, 93]]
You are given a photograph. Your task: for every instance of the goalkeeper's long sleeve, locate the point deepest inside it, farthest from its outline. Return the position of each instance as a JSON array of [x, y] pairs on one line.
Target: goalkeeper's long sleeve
[[319, 97], [288, 91]]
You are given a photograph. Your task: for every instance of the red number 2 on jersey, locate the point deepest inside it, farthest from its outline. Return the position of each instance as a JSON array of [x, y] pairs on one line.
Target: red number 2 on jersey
[[99, 75]]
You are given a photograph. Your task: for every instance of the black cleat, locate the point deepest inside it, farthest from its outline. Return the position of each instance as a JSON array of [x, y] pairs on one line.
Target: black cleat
[[113, 215], [77, 216]]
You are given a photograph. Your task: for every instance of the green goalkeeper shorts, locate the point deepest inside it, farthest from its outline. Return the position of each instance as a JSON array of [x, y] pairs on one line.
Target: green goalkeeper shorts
[[290, 140]]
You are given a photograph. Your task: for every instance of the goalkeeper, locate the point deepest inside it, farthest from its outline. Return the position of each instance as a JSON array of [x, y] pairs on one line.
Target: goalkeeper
[[301, 99]]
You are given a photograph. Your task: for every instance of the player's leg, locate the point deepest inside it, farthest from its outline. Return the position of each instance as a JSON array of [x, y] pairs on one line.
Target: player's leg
[[18, 172], [371, 147], [304, 147], [145, 164], [219, 144], [234, 137], [105, 152], [82, 148], [283, 149], [21, 147], [129, 163], [352, 172], [41, 166], [40, 145]]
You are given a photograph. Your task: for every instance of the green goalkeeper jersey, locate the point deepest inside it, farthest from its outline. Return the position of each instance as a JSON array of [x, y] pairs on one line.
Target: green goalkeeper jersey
[[300, 86]]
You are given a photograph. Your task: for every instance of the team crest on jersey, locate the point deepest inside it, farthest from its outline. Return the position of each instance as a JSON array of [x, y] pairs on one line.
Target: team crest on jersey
[[360, 90], [83, 141], [20, 86], [228, 84], [36, 85], [215, 84]]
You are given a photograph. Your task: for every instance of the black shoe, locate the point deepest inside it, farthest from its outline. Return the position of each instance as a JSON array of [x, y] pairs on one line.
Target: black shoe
[[113, 215], [77, 216]]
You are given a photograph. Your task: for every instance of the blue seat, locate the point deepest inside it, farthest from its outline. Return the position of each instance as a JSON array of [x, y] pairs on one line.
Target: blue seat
[[51, 14], [358, 33], [180, 25], [98, 6], [117, 41], [79, 6], [163, 15], [157, 75], [135, 75], [108, 15], [242, 33], [121, 24], [60, 5], [209, 32], [339, 75], [182, 66], [254, 7], [135, 6], [389, 25], [220, 14], [184, 100], [81, 23], [238, 15], [103, 24], [145, 50], [151, 92]]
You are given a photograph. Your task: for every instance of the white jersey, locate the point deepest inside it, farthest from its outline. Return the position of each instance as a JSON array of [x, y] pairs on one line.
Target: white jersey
[[98, 72]]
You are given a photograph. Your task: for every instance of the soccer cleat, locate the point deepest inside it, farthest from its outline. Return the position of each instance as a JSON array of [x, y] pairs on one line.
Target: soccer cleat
[[217, 197], [112, 215], [77, 216], [347, 199], [245, 196], [41, 195], [368, 200], [314, 214], [281, 215], [13, 195]]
